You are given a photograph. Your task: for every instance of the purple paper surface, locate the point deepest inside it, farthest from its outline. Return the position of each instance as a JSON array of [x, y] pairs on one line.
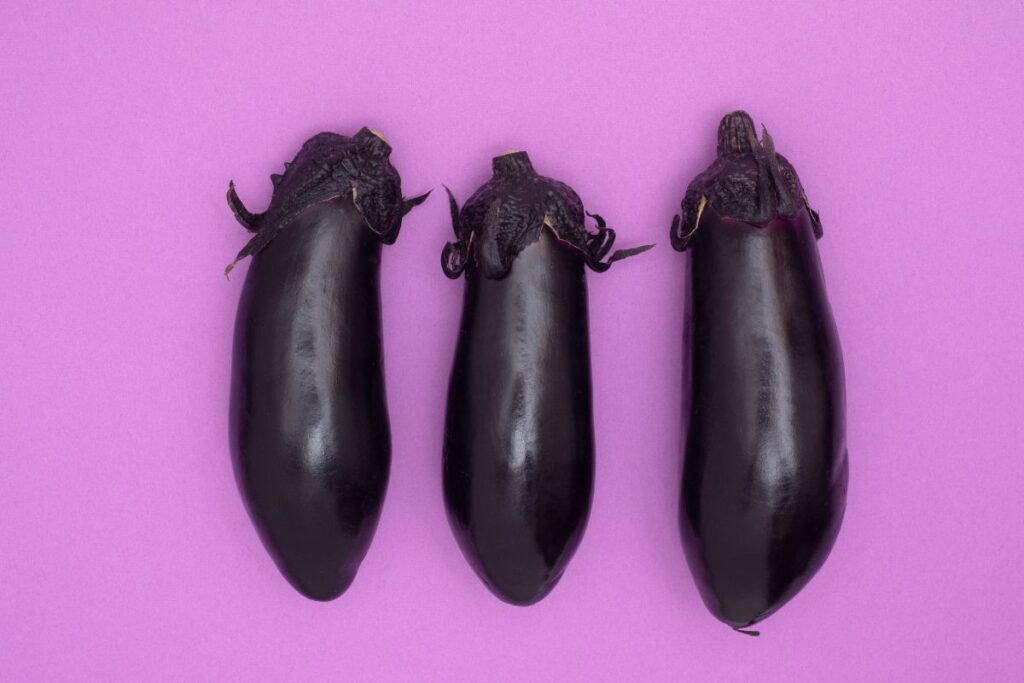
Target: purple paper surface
[[125, 550]]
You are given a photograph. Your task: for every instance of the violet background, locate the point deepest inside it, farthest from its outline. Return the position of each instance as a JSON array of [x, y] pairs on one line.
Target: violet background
[[126, 551]]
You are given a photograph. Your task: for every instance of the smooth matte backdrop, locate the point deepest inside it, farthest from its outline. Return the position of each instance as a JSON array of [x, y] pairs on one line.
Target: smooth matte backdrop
[[125, 551]]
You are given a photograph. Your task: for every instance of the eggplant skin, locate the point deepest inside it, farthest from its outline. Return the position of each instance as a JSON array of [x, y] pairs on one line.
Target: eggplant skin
[[309, 428], [313, 447], [518, 464], [765, 471], [519, 441]]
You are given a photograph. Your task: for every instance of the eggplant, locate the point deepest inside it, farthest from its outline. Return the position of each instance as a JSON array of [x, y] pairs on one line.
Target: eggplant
[[765, 469], [519, 439], [310, 437]]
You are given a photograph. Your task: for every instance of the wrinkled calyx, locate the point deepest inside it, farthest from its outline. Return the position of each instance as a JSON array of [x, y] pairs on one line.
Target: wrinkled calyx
[[748, 181], [509, 212], [330, 166]]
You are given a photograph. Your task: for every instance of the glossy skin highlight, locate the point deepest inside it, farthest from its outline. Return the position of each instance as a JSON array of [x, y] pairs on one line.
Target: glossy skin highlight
[[519, 443]]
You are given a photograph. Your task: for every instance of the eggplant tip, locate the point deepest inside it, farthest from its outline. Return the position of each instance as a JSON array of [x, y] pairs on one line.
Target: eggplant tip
[[522, 596], [516, 583], [322, 586]]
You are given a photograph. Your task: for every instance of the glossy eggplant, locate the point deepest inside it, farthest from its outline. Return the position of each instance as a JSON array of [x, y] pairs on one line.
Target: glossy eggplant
[[519, 439], [309, 421], [765, 471]]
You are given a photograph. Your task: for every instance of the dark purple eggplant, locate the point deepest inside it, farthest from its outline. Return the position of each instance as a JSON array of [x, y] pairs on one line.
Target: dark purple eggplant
[[765, 470], [519, 437], [309, 423]]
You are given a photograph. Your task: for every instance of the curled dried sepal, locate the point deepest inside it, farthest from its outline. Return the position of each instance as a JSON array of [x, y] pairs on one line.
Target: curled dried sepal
[[454, 254], [248, 220], [748, 181], [508, 213], [600, 243], [408, 204]]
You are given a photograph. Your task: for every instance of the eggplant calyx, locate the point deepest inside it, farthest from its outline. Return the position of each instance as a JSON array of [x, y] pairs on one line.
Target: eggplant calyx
[[509, 212], [327, 167], [748, 181]]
